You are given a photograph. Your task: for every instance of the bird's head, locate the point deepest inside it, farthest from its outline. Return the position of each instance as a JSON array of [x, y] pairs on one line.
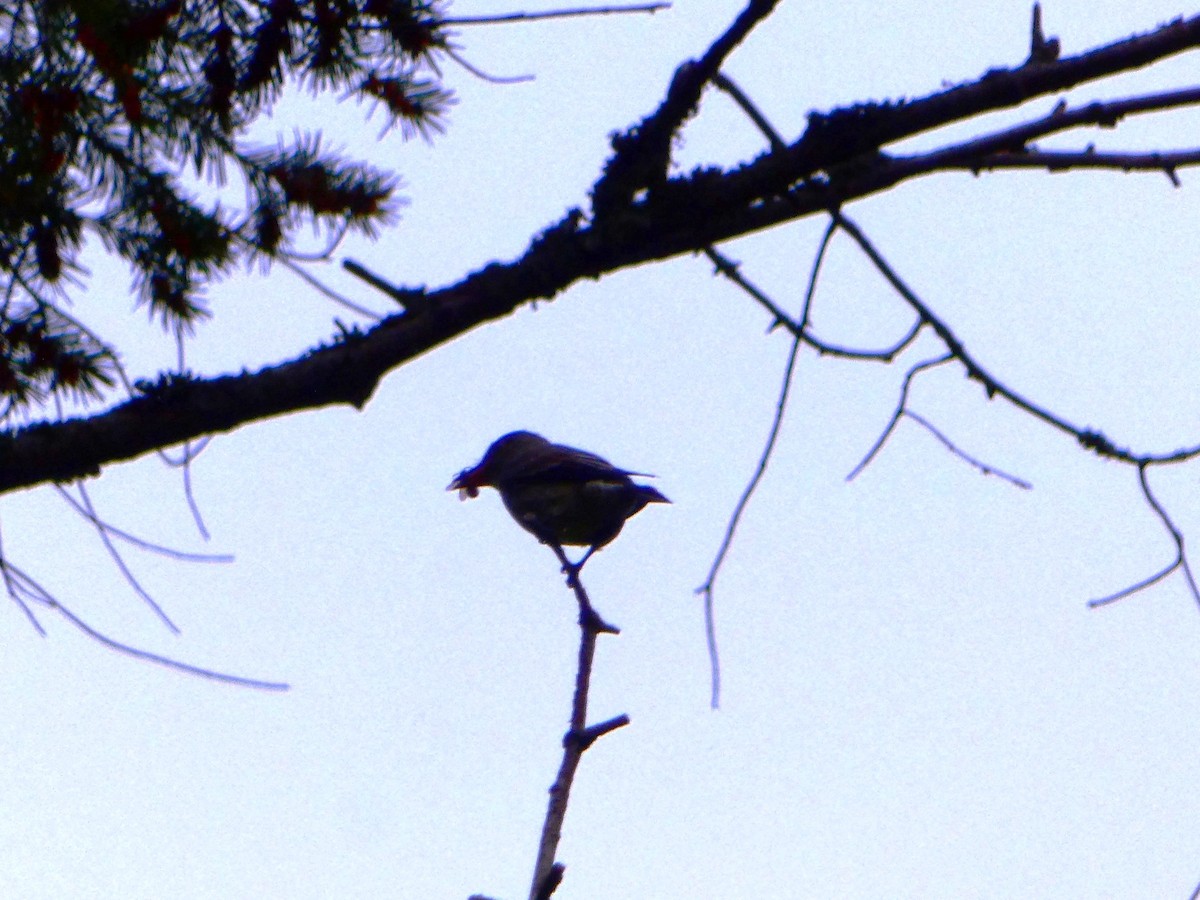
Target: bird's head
[[506, 454]]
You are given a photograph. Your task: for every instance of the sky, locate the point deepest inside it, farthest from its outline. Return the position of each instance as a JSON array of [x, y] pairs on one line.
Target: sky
[[917, 700]]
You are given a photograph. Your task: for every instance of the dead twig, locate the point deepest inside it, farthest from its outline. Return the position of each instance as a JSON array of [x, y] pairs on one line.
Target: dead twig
[[706, 589], [1180, 561]]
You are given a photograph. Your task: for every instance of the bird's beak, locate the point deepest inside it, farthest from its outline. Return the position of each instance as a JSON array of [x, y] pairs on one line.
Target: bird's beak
[[464, 484]]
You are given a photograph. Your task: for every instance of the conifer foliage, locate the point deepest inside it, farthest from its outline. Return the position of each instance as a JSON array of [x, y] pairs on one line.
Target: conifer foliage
[[112, 108]]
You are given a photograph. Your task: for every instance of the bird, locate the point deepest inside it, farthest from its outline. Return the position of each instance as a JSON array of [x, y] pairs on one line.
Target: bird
[[560, 495]]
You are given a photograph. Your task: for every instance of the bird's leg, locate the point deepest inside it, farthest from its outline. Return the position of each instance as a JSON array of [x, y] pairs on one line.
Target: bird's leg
[[567, 565], [586, 557], [588, 617], [572, 570]]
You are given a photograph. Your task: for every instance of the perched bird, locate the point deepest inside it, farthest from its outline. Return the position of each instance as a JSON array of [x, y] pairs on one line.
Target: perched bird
[[558, 494]]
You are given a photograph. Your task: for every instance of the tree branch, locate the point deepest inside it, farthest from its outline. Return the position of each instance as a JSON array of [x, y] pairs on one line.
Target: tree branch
[[1180, 561], [642, 154], [685, 215], [1010, 146], [837, 137], [1087, 438], [706, 590], [579, 737], [506, 18]]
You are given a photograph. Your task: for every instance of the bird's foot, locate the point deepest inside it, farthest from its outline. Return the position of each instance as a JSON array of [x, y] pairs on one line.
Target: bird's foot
[[571, 570]]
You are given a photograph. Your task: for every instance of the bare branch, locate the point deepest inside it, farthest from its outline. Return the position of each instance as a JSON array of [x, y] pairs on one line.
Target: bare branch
[[886, 355], [1135, 588], [732, 271], [817, 162], [984, 468], [1009, 147], [14, 592], [780, 319], [412, 300], [593, 733], [189, 494], [1088, 438], [1062, 160], [587, 612], [329, 292], [1041, 49], [169, 663], [695, 211], [88, 513], [22, 587], [506, 18], [546, 872], [191, 450], [187, 454], [706, 589], [727, 84], [1180, 561], [901, 405], [642, 153], [482, 75]]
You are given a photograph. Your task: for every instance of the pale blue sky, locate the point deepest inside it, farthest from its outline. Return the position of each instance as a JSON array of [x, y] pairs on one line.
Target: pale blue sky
[[917, 703]]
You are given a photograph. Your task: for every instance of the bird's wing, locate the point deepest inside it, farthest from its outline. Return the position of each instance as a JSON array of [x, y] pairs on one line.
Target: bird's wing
[[562, 463]]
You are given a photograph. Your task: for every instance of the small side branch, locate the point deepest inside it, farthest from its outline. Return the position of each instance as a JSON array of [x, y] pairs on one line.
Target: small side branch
[[175, 664], [902, 411], [482, 75], [1012, 148], [1167, 162], [780, 319], [1041, 48], [886, 355], [1180, 561], [411, 300], [983, 467], [901, 405]]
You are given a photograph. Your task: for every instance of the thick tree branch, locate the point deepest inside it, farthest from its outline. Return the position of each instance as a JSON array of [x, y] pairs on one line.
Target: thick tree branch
[[833, 139], [1011, 147], [685, 215], [642, 154]]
